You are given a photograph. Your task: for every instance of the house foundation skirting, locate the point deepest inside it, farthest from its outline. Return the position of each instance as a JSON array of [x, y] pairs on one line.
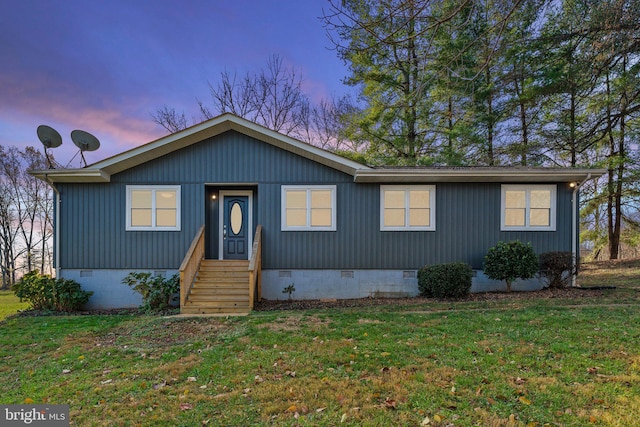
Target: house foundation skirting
[[107, 287], [343, 284], [110, 292]]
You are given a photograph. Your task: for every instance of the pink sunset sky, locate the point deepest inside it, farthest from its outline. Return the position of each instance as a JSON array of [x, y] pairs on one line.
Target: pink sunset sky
[[106, 66]]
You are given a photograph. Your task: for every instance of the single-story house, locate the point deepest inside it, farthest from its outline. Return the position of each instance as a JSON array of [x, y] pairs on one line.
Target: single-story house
[[242, 212]]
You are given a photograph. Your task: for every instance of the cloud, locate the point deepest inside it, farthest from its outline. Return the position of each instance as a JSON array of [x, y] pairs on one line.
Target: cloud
[[104, 67], [118, 127]]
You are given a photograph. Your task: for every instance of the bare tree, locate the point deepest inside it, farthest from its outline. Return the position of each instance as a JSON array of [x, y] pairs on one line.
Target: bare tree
[[170, 119], [8, 233], [233, 95], [273, 98], [328, 123], [28, 207]]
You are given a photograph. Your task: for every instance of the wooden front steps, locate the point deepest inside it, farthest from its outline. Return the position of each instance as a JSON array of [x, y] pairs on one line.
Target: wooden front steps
[[220, 287]]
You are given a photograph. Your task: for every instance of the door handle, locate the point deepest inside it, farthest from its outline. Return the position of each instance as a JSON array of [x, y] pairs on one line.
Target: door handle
[[224, 231]]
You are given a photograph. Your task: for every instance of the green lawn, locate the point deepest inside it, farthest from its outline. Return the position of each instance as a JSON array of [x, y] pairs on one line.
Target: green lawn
[[508, 362], [10, 304]]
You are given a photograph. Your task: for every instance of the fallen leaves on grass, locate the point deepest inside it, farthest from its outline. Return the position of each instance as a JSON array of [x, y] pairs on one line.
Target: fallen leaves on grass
[[390, 403], [524, 400]]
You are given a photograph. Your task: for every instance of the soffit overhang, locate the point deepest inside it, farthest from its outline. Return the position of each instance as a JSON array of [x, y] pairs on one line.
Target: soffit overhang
[[505, 174]]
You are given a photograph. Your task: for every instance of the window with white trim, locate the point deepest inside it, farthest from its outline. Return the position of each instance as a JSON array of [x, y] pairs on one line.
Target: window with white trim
[[153, 208], [528, 208], [407, 208], [308, 208]]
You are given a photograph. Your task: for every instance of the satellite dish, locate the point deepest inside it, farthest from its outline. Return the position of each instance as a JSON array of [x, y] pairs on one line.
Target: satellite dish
[[50, 138], [85, 142]]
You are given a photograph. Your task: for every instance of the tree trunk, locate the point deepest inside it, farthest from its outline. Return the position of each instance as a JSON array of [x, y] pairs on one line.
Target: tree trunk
[[490, 124], [611, 206], [572, 132]]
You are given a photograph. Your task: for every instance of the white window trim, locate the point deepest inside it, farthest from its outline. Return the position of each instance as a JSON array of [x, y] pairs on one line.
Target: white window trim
[[406, 188], [153, 189], [527, 189], [307, 188]]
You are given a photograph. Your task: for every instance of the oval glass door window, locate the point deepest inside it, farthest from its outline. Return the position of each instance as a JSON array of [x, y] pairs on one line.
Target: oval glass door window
[[236, 218]]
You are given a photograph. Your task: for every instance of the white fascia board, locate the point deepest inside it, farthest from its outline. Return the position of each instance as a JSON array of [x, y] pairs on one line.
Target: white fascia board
[[72, 175], [475, 175]]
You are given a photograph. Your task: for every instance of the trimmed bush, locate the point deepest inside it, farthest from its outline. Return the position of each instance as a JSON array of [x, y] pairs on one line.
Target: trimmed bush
[[157, 291], [43, 292], [509, 261], [556, 268], [451, 280]]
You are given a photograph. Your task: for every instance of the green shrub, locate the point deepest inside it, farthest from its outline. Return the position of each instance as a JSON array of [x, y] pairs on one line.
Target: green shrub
[[451, 280], [556, 268], [157, 291], [43, 292], [509, 261]]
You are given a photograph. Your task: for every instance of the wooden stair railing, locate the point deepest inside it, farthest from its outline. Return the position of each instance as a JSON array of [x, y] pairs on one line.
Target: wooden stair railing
[[255, 269], [190, 265]]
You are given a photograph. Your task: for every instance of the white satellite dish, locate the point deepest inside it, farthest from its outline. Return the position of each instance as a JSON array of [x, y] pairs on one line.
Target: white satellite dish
[[85, 142], [50, 138]]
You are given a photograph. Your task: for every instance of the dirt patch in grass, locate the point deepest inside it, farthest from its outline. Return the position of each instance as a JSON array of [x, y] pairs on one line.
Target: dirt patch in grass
[[293, 323], [161, 332]]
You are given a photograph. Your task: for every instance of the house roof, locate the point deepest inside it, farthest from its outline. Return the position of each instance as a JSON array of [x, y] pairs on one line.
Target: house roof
[[102, 170], [512, 174]]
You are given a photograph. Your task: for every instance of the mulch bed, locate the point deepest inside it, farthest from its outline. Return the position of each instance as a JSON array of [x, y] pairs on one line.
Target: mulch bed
[[568, 293], [274, 305]]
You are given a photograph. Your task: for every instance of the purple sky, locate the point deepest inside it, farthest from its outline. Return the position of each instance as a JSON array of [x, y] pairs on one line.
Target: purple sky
[[105, 66]]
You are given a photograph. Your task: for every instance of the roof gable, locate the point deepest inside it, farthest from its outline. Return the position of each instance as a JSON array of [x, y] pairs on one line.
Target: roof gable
[[103, 170]]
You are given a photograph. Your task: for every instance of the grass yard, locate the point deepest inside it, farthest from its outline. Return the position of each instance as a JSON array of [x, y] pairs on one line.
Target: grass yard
[[508, 362], [10, 304]]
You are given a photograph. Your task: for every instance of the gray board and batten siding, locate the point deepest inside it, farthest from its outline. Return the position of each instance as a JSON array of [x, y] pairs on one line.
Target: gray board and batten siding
[[92, 216]]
